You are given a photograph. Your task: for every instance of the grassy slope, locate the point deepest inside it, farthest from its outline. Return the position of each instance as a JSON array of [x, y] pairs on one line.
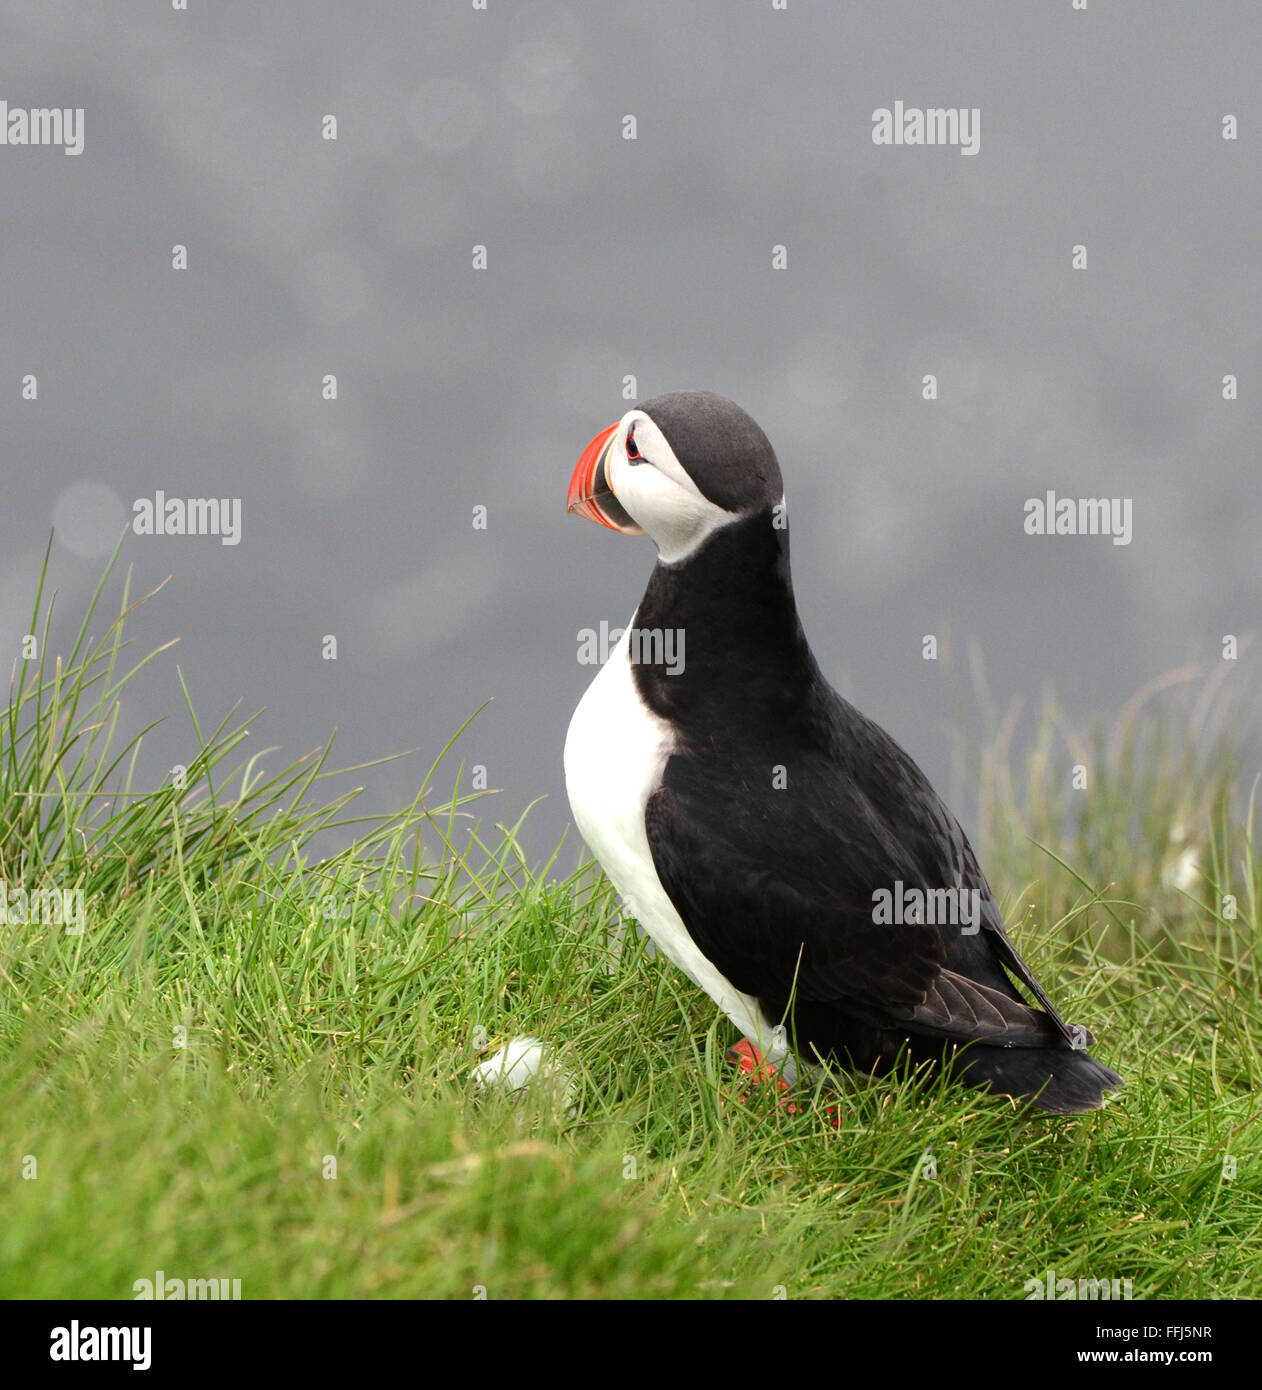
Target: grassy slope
[[336, 1007]]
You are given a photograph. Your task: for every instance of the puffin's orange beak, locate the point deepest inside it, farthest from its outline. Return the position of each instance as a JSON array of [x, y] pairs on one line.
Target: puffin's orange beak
[[590, 494]]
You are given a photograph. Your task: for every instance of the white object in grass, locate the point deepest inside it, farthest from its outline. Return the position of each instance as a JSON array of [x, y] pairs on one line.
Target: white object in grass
[[518, 1062]]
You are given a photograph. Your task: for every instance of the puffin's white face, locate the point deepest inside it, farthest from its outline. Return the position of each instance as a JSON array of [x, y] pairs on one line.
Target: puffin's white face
[[632, 461]]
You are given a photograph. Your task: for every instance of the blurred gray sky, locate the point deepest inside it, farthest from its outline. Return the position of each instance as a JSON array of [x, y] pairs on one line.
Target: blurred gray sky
[[608, 258]]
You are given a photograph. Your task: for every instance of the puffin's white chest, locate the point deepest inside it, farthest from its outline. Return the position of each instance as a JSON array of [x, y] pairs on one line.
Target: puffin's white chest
[[615, 752]]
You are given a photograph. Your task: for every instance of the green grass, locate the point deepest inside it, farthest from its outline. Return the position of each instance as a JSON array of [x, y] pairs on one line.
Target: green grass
[[237, 1013]]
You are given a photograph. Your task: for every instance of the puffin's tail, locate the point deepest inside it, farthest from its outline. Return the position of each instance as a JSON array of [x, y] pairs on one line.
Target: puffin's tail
[[1057, 1079]]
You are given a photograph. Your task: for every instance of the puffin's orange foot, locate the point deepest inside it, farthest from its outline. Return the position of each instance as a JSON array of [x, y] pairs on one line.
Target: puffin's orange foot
[[749, 1060]]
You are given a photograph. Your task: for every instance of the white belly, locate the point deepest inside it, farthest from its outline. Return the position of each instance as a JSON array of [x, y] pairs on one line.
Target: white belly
[[615, 752]]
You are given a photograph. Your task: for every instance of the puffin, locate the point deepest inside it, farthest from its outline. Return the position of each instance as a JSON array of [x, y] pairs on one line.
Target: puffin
[[777, 845]]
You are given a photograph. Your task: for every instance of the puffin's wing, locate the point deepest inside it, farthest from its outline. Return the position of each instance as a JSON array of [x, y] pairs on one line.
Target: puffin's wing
[[773, 920], [776, 887], [890, 781], [959, 1008], [1001, 945]]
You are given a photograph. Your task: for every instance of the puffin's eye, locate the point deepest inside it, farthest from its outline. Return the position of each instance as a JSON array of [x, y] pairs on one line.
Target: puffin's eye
[[633, 451]]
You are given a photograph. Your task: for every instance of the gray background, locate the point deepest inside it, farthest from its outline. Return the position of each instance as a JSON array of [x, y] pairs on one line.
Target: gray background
[[608, 257]]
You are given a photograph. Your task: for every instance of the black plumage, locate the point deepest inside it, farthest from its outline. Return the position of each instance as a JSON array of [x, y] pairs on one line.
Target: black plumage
[[783, 809]]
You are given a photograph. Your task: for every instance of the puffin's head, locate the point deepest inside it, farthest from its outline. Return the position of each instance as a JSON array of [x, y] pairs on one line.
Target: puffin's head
[[677, 467]]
